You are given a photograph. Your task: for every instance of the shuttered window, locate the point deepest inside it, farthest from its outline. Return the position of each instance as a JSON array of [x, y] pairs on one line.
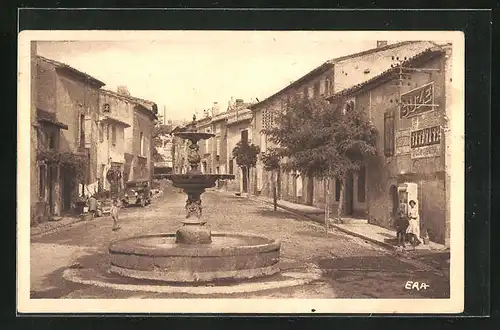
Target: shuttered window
[[244, 136], [337, 190], [361, 184], [389, 134], [41, 181], [113, 134]]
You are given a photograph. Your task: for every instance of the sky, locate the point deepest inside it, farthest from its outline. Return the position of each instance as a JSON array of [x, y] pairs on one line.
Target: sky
[[189, 71]]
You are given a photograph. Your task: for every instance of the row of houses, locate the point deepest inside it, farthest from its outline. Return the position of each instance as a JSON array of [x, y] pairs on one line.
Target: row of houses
[[76, 121], [405, 90]]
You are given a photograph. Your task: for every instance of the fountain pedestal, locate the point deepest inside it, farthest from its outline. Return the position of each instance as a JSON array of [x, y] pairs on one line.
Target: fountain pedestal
[[193, 234]]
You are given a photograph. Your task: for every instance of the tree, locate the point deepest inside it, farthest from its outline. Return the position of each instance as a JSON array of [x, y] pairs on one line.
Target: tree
[[323, 140], [159, 131], [246, 156], [271, 161]]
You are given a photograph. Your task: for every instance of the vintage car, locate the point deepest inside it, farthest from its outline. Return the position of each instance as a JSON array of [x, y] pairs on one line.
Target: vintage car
[[137, 192]]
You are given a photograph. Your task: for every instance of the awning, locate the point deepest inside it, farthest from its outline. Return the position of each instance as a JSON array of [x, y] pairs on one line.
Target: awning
[[49, 118], [114, 120]]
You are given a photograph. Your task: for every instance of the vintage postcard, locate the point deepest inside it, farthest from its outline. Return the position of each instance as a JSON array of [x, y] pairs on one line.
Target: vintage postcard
[[241, 172]]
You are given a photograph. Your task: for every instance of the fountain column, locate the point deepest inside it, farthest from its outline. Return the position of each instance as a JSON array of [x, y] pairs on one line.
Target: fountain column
[[193, 230]]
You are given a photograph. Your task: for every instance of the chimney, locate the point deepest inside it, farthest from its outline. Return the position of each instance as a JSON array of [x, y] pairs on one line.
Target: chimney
[[123, 90], [215, 109], [381, 43]]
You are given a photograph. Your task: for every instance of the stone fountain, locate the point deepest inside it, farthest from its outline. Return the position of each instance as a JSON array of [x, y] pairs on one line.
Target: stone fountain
[[194, 253]]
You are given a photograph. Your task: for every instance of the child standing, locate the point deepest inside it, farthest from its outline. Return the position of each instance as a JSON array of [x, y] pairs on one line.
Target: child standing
[[401, 225], [114, 214]]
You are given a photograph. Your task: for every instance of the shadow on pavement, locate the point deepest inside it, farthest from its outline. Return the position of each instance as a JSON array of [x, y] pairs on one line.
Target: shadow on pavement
[[381, 277], [57, 286], [277, 215]]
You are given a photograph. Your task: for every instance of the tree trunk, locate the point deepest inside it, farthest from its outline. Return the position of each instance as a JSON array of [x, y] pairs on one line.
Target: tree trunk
[[273, 187], [249, 186], [310, 189], [340, 209], [327, 205]]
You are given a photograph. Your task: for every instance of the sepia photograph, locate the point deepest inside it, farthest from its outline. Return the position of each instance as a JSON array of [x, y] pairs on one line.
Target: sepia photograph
[[241, 172]]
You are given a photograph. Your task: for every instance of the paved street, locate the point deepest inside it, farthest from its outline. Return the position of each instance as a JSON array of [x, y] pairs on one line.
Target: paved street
[[350, 267]]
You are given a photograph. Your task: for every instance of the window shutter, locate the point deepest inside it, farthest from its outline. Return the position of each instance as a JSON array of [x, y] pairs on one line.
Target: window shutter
[[361, 184], [113, 134], [389, 134], [101, 132]]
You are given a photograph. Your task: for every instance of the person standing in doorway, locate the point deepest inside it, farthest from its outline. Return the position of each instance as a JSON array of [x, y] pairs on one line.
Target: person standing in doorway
[[414, 224]]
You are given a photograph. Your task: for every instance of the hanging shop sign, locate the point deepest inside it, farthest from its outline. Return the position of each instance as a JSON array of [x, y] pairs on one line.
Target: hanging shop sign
[[417, 101]]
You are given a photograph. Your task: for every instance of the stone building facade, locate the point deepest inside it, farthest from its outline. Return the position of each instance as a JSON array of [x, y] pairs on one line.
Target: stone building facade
[[67, 109], [115, 116], [330, 78], [139, 141], [238, 124], [75, 122], [412, 140]]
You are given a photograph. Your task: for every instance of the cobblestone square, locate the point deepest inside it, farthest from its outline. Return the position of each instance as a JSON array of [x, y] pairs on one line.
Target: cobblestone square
[[349, 266]]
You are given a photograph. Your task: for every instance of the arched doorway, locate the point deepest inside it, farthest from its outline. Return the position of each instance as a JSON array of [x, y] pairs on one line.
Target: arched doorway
[[393, 195]]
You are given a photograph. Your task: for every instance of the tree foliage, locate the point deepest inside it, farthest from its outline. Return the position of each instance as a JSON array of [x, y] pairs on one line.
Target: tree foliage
[[157, 157], [76, 162], [270, 159], [161, 129], [321, 139], [246, 154]]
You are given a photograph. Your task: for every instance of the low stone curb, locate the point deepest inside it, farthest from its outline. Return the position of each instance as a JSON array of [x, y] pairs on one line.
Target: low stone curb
[[367, 238], [57, 228], [344, 230], [334, 225]]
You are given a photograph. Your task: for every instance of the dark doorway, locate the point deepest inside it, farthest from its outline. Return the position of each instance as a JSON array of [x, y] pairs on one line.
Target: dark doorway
[[244, 172], [309, 190], [393, 195], [349, 194], [67, 187], [51, 181], [115, 185]]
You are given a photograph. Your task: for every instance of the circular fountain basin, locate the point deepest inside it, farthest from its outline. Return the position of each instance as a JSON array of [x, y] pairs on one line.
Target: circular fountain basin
[[228, 257]]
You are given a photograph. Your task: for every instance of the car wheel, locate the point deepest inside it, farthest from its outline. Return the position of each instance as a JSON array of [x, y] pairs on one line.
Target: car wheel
[[143, 203]]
